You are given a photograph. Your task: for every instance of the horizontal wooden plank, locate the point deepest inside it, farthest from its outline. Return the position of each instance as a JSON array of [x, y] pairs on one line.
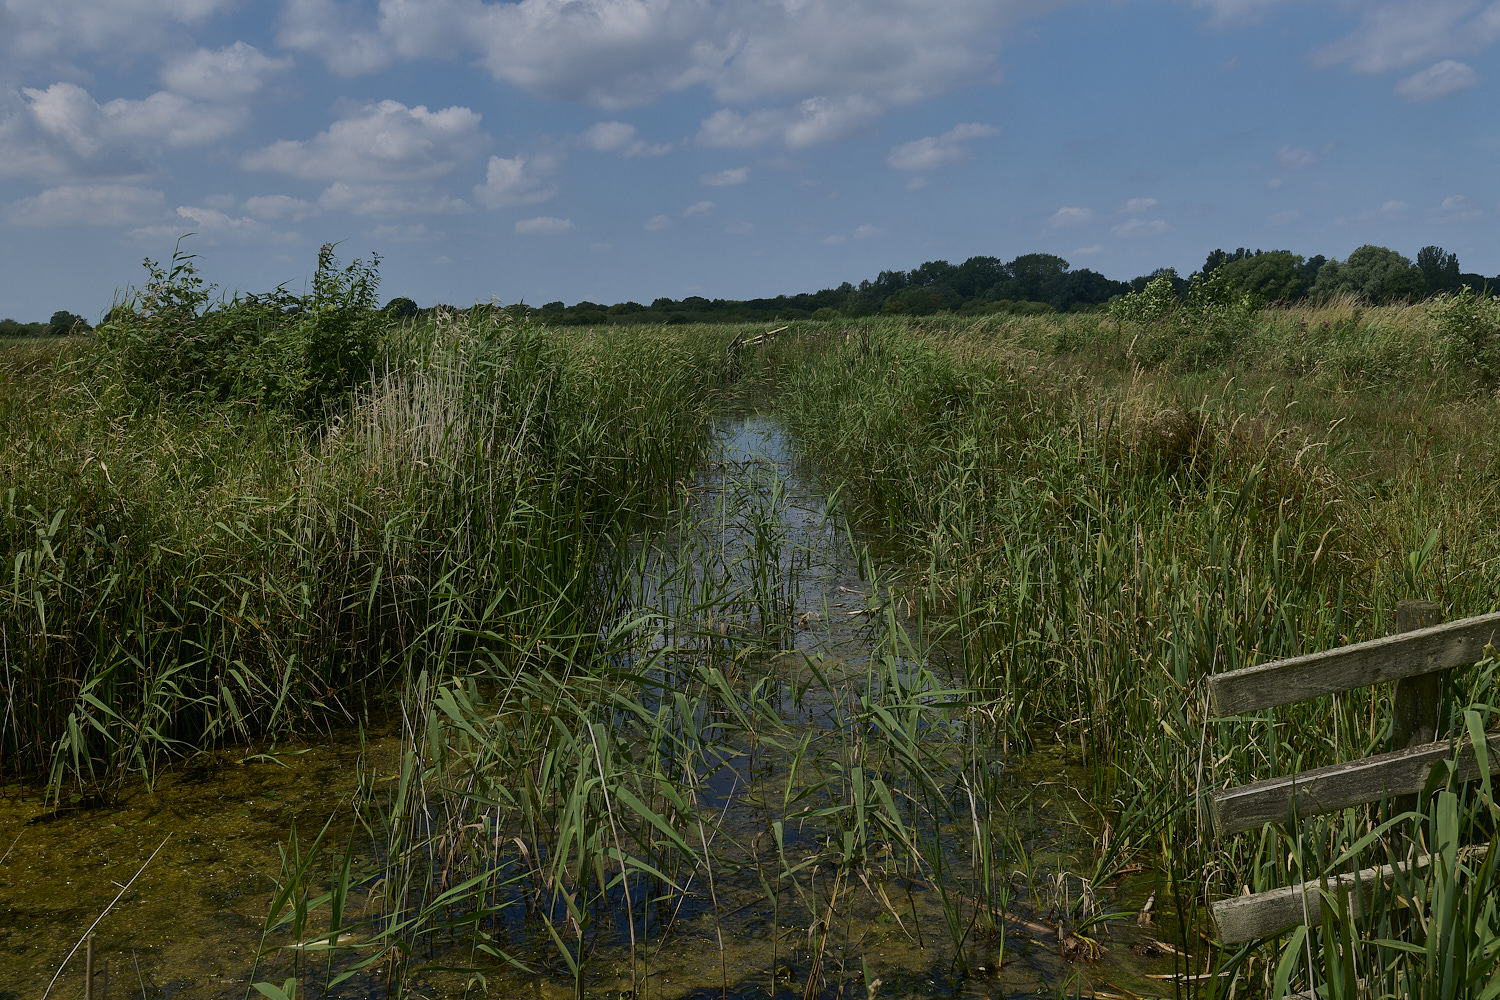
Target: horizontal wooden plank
[[1339, 786], [1245, 918], [1409, 654]]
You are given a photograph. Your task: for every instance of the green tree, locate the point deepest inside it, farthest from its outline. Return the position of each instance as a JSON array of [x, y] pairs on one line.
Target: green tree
[[1030, 273], [64, 322], [1439, 270], [400, 307], [1377, 274], [1271, 276]]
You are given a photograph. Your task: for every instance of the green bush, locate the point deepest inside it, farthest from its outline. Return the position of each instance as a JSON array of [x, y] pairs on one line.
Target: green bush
[[297, 353], [1470, 327]]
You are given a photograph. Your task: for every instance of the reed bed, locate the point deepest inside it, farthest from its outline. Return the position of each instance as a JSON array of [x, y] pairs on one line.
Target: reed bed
[[1102, 536]]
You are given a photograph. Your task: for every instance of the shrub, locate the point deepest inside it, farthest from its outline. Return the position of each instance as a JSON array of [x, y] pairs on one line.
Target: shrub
[[1470, 327], [298, 353]]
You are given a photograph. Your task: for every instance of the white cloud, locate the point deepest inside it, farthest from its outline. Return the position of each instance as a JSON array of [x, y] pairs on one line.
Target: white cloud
[[622, 138], [1137, 206], [867, 232], [1236, 11], [88, 204], [657, 223], [416, 233], [1402, 33], [62, 132], [1437, 81], [1297, 158], [545, 225], [1457, 208], [232, 73], [739, 228], [1134, 228], [389, 199], [815, 121], [384, 141], [1393, 208], [278, 206], [38, 33], [1284, 218], [917, 183], [1088, 251], [834, 240], [726, 178], [697, 208], [1274, 184], [518, 180], [944, 150], [216, 227], [1069, 215], [621, 53]]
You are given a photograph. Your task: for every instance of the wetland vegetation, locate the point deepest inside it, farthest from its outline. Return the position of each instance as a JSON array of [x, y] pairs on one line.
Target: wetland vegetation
[[465, 655]]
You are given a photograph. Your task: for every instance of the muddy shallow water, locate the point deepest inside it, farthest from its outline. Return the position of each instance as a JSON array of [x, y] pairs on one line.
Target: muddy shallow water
[[190, 923]]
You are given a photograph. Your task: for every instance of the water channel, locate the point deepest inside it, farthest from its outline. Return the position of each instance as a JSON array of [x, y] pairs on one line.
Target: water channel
[[764, 575]]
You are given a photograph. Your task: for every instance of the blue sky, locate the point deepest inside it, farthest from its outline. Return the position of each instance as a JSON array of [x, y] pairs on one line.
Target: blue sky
[[629, 149]]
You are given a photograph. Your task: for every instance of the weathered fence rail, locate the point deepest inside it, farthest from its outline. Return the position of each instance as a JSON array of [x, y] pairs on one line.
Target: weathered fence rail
[[1416, 659]]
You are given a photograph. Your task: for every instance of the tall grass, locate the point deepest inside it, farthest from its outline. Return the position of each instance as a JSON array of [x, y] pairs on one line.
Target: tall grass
[[184, 574], [1103, 537]]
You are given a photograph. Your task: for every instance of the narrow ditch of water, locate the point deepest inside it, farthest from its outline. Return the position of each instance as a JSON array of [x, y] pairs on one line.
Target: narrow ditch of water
[[851, 831]]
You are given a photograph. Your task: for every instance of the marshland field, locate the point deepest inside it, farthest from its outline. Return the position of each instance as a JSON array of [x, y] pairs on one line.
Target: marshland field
[[463, 655]]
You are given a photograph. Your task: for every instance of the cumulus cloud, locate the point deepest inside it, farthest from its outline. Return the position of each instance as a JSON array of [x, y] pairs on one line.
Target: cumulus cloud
[[834, 240], [233, 73], [389, 199], [216, 227], [868, 232], [38, 33], [1136, 228], [697, 208], [87, 204], [1403, 33], [1457, 208], [1136, 206], [545, 225], [62, 132], [518, 180], [384, 141], [278, 206], [657, 223], [619, 53], [815, 121], [1298, 158], [1236, 11], [726, 178], [622, 138], [1089, 251], [943, 150], [1437, 81], [1069, 215]]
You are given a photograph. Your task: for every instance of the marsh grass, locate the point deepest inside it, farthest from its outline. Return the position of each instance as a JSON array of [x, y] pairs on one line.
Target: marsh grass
[[182, 575], [1102, 537], [506, 538]]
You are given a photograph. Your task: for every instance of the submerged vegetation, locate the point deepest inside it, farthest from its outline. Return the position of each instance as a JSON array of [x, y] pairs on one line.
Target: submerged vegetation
[[653, 700]]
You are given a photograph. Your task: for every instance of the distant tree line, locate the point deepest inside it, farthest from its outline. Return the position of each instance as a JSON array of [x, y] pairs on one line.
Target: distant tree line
[[1375, 274], [61, 324], [1041, 283]]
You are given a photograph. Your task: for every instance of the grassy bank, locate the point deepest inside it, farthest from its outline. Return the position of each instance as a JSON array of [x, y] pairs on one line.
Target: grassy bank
[[1107, 511], [184, 574]]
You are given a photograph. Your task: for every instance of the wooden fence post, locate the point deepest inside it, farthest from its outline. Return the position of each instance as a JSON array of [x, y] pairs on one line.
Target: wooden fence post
[[1417, 703]]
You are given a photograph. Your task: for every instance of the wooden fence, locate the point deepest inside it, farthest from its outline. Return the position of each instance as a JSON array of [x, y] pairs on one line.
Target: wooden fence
[[1417, 658]]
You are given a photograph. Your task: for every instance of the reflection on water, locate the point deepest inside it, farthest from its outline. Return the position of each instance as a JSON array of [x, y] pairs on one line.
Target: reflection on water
[[865, 838]]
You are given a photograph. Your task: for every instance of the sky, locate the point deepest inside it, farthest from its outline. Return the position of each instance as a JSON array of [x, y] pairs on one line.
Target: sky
[[614, 150]]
